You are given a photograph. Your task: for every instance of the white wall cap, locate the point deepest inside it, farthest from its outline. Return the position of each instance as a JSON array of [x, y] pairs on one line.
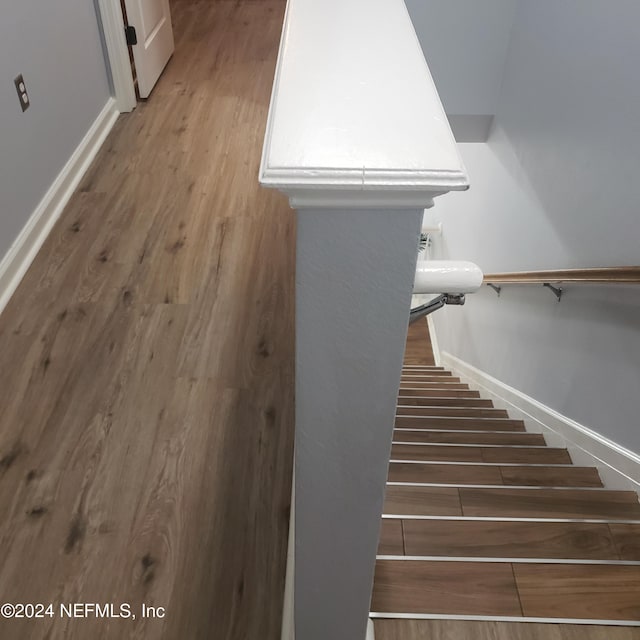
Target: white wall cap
[[354, 110]]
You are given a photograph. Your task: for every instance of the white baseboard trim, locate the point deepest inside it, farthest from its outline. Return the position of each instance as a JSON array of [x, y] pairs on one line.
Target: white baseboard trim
[[371, 635], [619, 467], [288, 620], [17, 260], [434, 341]]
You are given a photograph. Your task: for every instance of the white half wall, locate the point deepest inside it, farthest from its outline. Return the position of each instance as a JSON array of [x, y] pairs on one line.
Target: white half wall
[[555, 187]]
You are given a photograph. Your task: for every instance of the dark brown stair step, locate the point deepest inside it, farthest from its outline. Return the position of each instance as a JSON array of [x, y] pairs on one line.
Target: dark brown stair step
[[444, 473], [444, 402], [627, 539], [391, 541], [464, 538], [507, 454], [439, 373], [417, 386], [466, 437], [462, 474], [417, 381], [593, 592], [422, 501], [555, 591], [550, 503], [439, 392], [460, 423], [421, 367], [451, 412], [466, 588]]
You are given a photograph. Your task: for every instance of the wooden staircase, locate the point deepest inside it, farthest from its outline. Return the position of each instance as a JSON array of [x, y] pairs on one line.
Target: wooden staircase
[[484, 521]]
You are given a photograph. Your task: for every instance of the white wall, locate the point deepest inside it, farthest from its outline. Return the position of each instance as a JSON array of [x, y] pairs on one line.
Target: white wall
[[554, 187], [465, 44], [56, 46]]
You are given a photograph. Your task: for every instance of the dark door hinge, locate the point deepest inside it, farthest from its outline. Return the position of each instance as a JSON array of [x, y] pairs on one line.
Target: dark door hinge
[[131, 35]]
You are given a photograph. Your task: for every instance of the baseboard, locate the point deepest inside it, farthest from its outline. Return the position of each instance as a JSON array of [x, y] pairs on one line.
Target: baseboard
[[434, 341], [288, 627], [17, 260], [371, 635], [619, 467]]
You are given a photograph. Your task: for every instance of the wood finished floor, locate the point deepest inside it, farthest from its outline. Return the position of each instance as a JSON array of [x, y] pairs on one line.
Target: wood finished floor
[[146, 384], [485, 519]]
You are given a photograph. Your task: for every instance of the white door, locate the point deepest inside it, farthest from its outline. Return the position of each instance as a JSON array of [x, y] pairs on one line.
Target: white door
[[152, 22]]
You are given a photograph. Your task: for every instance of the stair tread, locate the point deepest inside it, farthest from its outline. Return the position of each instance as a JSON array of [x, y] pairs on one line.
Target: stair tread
[[473, 474], [445, 588], [580, 591], [627, 540], [462, 423], [428, 453], [418, 380], [464, 437], [444, 401], [512, 503], [433, 501], [598, 592], [550, 503], [562, 540], [438, 393], [451, 412]]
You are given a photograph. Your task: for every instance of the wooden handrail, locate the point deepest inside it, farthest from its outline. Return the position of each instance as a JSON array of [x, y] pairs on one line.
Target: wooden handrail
[[615, 275]]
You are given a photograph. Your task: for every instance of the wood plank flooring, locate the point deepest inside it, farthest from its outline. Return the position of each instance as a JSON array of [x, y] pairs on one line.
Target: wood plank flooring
[[146, 385], [483, 518]]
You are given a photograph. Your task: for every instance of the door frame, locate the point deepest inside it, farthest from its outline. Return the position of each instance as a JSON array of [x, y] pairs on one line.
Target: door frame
[[118, 53]]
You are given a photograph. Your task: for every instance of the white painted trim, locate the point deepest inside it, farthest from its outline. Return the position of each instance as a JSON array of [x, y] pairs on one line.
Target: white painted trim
[[619, 467], [409, 516], [485, 464], [621, 563], [288, 607], [118, 53], [435, 347], [526, 487], [370, 630], [437, 616], [24, 249]]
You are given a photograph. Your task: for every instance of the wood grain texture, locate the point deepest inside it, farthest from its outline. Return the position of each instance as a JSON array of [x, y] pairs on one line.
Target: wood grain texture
[[471, 588], [454, 391], [452, 412], [433, 501], [391, 539], [146, 386], [630, 274], [627, 540], [462, 474], [471, 630], [519, 455], [418, 350], [489, 424], [433, 382], [440, 401], [508, 539], [551, 476], [550, 503], [459, 474], [597, 592], [465, 437]]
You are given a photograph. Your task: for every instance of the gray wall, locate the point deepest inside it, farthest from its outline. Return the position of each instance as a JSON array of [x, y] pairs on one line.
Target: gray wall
[[354, 275], [465, 43], [555, 187], [56, 46]]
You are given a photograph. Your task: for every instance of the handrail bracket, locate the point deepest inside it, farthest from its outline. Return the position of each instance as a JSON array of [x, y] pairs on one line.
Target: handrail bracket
[[557, 291], [435, 304]]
